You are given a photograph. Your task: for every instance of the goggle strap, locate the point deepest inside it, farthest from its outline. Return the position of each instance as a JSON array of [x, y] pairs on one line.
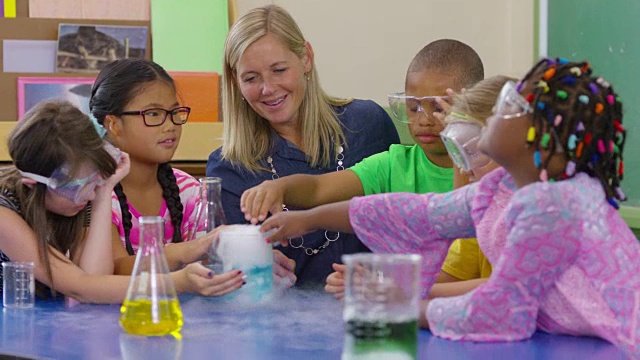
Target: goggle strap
[[39, 178]]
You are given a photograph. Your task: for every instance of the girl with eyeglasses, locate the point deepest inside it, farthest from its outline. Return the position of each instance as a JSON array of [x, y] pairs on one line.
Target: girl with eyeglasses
[[60, 165], [136, 102]]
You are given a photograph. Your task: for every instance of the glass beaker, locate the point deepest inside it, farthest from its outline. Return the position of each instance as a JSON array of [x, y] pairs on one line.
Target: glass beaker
[[19, 285], [151, 307], [244, 247], [382, 305], [209, 215]]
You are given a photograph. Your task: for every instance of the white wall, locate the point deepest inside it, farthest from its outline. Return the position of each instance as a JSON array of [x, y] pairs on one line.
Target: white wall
[[363, 47]]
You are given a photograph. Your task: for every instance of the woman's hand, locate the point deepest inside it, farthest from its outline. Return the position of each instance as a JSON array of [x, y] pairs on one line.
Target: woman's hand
[[283, 268], [258, 201], [335, 281], [195, 278]]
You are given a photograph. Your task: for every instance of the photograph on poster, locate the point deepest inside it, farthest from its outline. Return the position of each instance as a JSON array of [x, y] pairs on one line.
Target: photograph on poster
[[31, 90], [88, 48]]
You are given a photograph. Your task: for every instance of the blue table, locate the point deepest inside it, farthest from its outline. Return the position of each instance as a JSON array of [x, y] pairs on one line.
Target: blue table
[[300, 325]]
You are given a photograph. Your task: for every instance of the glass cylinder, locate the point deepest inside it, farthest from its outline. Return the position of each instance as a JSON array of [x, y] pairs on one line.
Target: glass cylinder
[[151, 307], [209, 215]]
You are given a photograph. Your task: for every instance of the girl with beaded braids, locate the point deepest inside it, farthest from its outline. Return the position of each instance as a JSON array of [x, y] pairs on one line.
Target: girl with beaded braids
[[566, 260], [136, 102]]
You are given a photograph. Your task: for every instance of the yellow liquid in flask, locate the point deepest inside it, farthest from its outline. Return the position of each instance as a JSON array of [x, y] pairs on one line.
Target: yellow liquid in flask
[[137, 317]]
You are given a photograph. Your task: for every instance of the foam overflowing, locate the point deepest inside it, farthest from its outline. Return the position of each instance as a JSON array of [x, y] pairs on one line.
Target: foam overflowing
[[244, 247]]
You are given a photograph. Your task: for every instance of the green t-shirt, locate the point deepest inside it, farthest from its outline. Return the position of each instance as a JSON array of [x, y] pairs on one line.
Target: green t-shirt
[[402, 169]]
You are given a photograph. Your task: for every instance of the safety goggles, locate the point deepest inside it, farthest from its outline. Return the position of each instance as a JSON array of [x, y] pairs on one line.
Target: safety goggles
[[461, 137], [510, 104], [60, 183], [407, 109], [78, 190]]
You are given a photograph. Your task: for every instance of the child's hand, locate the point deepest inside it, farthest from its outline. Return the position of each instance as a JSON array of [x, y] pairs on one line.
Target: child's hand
[[197, 279], [283, 268], [122, 170], [256, 202], [445, 106], [335, 281], [286, 225], [198, 248]]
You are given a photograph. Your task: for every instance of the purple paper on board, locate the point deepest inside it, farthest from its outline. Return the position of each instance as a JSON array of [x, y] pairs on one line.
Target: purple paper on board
[[29, 56]]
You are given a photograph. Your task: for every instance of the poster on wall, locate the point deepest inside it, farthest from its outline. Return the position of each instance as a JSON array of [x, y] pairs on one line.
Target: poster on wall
[[88, 48], [31, 90]]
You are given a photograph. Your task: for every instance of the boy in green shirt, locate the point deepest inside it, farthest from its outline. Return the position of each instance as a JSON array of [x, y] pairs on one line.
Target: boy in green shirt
[[440, 68], [423, 167]]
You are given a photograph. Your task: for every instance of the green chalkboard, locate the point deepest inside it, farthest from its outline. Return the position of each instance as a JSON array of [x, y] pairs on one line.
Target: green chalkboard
[[607, 34]]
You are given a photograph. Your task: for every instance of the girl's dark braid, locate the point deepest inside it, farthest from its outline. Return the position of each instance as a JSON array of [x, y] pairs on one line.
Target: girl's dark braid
[[126, 217], [580, 116], [171, 194]]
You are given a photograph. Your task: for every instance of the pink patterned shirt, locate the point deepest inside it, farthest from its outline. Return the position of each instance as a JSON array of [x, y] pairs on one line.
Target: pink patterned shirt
[[189, 189], [564, 261]]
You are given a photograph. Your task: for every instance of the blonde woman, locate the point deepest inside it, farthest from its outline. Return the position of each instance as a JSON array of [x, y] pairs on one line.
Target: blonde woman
[[279, 121]]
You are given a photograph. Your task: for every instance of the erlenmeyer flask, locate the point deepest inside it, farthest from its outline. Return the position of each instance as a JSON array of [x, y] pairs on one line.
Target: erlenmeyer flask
[[208, 216], [151, 306]]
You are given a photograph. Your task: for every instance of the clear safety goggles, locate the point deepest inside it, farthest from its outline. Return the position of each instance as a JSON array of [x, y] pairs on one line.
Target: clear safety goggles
[[407, 109], [78, 190], [510, 104], [461, 137]]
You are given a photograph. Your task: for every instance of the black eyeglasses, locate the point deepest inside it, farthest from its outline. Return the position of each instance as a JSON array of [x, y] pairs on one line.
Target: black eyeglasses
[[157, 116]]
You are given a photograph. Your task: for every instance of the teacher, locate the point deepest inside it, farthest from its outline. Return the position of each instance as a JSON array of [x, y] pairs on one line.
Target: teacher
[[278, 121]]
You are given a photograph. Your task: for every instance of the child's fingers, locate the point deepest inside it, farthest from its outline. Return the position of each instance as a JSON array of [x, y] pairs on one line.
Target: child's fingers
[[269, 202], [340, 268], [245, 200], [207, 283], [256, 205], [223, 288], [335, 281], [332, 289], [272, 225]]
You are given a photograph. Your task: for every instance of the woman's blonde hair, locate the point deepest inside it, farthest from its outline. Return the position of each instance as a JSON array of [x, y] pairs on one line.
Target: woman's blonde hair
[[247, 134], [477, 102], [50, 135]]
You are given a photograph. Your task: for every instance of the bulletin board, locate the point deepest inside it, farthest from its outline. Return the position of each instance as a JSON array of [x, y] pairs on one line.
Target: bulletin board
[[201, 136], [24, 28]]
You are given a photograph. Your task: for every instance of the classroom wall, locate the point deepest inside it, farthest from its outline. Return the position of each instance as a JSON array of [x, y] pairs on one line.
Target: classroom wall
[[363, 47]]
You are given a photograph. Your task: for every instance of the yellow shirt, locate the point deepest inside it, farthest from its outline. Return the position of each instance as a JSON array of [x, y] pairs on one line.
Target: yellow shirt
[[466, 261]]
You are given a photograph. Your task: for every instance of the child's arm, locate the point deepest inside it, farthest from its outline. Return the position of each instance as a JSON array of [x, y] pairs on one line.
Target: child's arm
[[443, 288], [20, 243], [291, 224], [90, 254], [414, 224], [454, 288], [177, 255], [299, 190], [540, 247]]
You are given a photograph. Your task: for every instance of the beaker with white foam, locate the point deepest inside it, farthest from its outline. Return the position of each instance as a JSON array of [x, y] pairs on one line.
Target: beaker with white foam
[[244, 247]]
